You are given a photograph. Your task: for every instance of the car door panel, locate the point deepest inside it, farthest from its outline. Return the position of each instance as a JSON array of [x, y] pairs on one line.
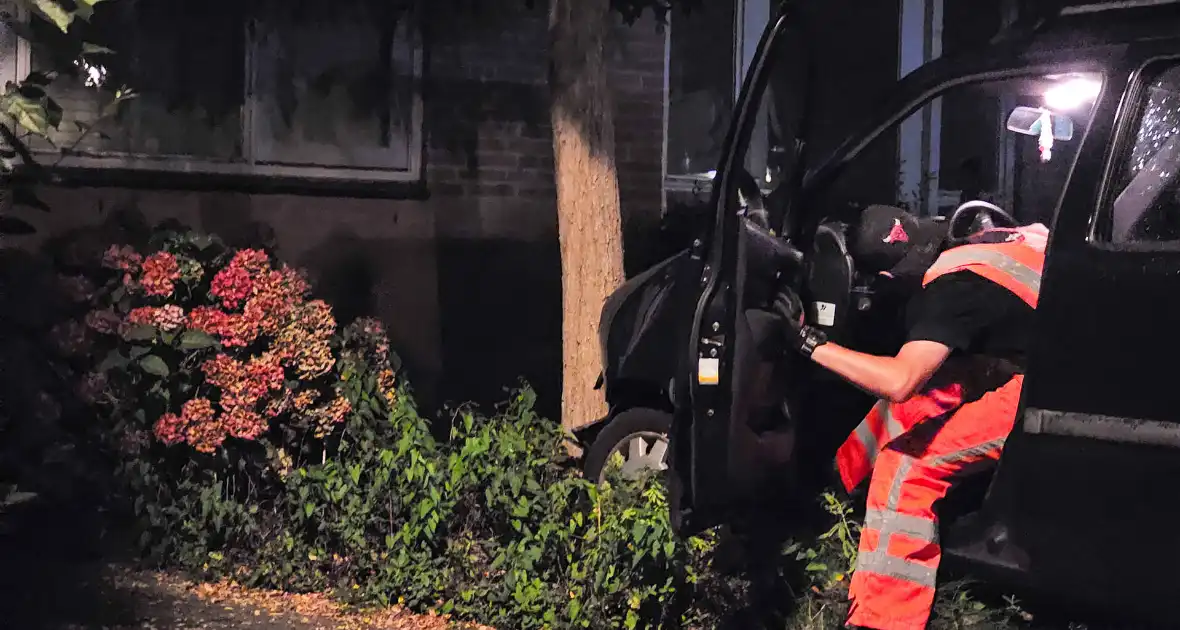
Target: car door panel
[[731, 452]]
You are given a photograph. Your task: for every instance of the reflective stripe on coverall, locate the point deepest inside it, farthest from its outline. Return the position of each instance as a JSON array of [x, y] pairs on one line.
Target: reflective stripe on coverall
[[915, 448]]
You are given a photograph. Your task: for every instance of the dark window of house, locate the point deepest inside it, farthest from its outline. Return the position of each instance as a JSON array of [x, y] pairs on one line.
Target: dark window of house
[[701, 85], [334, 89], [1146, 207], [314, 89], [190, 83]]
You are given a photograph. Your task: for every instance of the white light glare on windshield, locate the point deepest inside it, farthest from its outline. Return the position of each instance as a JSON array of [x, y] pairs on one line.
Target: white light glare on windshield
[[1072, 93]]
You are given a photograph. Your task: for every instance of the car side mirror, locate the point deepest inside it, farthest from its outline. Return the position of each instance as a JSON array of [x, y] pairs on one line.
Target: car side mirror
[[1029, 120]]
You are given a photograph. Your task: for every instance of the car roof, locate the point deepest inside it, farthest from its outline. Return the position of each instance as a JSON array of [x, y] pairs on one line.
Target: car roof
[[1082, 25]]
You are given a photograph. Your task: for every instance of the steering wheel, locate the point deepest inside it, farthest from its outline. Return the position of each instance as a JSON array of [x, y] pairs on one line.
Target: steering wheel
[[983, 214]]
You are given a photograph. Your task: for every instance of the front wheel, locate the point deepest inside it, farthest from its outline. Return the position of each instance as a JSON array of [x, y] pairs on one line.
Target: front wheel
[[639, 436]]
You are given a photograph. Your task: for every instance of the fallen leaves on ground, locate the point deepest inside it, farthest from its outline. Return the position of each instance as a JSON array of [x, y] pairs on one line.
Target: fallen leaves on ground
[[309, 608]]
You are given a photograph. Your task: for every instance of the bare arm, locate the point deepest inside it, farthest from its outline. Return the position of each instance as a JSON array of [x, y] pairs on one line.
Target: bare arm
[[891, 378]]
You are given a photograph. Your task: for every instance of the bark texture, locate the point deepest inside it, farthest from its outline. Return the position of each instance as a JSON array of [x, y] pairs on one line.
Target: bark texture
[[588, 214]]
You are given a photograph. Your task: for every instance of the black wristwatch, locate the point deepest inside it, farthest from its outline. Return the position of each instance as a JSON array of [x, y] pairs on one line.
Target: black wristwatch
[[810, 339]]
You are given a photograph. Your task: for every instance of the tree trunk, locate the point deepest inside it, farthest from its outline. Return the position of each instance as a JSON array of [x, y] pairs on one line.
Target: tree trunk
[[588, 216]]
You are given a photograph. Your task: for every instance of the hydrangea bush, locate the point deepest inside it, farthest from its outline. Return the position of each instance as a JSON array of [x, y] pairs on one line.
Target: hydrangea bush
[[201, 344]]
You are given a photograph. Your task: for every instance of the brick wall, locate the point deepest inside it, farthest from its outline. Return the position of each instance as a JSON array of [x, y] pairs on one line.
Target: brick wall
[[488, 117], [638, 79], [490, 172]]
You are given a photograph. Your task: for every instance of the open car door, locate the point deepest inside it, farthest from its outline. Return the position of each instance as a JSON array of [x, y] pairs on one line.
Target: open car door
[[732, 442], [1084, 501]]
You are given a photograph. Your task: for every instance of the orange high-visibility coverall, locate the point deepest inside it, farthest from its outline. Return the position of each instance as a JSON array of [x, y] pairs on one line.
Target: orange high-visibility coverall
[[915, 448]]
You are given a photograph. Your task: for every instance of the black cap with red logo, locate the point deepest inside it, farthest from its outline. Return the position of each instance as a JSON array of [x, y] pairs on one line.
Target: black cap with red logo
[[890, 240]]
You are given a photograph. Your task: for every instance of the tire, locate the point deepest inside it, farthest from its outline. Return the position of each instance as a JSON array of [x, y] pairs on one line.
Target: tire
[[646, 427]]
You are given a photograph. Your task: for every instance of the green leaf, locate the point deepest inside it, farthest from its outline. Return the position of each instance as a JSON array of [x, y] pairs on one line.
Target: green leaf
[[154, 365], [816, 566], [95, 49], [55, 13], [112, 108], [13, 225], [53, 112], [638, 531], [114, 359], [139, 351], [195, 340], [85, 8], [28, 112], [140, 332]]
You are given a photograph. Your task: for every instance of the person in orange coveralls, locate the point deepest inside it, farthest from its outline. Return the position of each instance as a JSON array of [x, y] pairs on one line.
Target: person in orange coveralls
[[948, 398]]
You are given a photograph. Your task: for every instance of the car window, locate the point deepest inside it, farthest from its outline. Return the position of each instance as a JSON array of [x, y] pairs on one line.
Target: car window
[[959, 147], [1146, 207]]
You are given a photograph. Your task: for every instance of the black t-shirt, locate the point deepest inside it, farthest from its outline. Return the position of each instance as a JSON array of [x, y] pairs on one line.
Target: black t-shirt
[[973, 316]]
